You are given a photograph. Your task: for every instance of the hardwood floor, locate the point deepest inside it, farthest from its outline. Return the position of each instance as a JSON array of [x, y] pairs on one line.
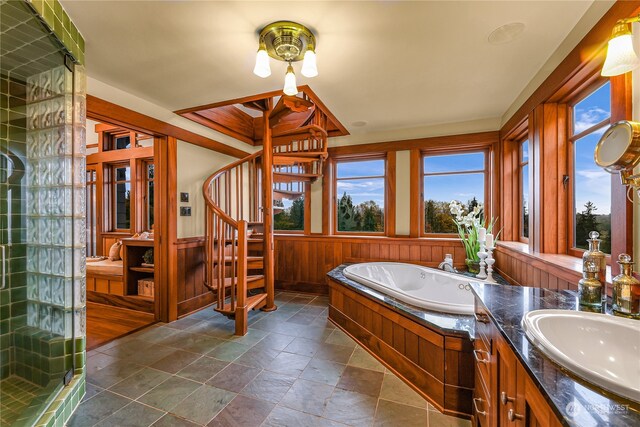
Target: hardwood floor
[[106, 323]]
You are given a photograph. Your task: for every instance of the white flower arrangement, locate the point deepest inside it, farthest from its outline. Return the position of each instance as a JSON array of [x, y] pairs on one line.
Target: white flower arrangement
[[469, 224]]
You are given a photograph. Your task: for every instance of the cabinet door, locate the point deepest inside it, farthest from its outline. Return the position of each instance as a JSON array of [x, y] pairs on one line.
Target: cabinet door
[[507, 372], [532, 409]]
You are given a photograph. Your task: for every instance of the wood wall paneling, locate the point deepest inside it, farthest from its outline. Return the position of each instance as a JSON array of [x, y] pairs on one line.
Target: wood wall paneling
[[302, 262]]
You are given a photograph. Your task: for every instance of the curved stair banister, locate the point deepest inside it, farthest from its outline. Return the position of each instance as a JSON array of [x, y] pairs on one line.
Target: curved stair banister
[[227, 261]]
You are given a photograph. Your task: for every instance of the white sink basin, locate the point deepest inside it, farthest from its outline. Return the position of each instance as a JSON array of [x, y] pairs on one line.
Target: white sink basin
[[602, 349]]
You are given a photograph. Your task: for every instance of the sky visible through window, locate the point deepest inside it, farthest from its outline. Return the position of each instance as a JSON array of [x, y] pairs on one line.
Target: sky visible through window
[[362, 190], [592, 183], [462, 187]]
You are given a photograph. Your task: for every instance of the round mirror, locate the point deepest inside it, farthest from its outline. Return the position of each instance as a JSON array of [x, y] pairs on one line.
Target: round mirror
[[619, 147]]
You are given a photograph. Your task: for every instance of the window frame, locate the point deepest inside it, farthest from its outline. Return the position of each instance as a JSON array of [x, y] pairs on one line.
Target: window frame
[[453, 151], [571, 140], [92, 212], [112, 197], [356, 158], [144, 208], [521, 164]]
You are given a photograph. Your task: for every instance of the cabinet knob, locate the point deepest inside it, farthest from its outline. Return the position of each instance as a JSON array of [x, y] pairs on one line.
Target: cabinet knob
[[481, 317], [512, 416], [506, 399]]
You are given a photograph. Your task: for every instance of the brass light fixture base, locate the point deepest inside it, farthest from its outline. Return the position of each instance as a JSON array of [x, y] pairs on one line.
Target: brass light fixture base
[[287, 41]]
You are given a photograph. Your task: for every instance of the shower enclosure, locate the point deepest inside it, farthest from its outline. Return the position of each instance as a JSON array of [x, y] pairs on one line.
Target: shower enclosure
[[42, 228]]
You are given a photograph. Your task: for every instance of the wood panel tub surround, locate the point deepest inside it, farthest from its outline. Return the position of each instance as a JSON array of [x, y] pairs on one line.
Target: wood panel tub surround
[[437, 365]]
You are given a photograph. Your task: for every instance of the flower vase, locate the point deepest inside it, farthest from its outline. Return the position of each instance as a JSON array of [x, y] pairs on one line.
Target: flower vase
[[473, 266]]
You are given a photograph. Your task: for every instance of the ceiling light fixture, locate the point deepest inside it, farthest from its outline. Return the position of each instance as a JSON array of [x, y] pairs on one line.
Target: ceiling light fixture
[[288, 42], [621, 56]]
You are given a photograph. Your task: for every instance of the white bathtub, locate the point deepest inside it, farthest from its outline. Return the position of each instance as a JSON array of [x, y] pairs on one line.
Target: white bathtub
[[420, 286]]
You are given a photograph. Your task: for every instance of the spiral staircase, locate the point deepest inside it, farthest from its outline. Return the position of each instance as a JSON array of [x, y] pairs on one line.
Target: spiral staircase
[[239, 203]]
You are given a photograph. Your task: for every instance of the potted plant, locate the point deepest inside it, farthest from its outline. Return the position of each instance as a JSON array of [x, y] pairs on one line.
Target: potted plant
[[469, 224]]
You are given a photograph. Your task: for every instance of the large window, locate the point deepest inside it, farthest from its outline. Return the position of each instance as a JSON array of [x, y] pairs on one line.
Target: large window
[[288, 199], [149, 187], [591, 201], [524, 189], [360, 191], [449, 177], [121, 197]]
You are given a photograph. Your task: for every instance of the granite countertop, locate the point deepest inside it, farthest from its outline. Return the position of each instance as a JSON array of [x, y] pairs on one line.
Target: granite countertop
[[453, 324], [576, 402]]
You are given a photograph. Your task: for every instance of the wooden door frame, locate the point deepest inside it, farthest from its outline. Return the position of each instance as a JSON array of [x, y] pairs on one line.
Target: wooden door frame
[[165, 209]]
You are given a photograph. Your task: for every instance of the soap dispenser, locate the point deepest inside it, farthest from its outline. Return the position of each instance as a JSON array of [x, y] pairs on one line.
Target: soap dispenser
[[596, 256], [626, 290], [590, 288]]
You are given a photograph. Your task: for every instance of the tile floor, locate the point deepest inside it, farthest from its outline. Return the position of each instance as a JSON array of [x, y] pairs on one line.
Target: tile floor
[[293, 368], [16, 394]]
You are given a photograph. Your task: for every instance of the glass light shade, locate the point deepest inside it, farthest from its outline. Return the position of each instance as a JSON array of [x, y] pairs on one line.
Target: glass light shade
[[621, 57], [290, 87], [309, 67], [262, 68]]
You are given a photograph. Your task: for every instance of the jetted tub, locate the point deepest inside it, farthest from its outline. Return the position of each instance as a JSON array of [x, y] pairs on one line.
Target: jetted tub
[[420, 286]]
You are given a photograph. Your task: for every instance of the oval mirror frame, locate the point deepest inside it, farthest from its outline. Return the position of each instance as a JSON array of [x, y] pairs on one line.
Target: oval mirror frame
[[619, 147]]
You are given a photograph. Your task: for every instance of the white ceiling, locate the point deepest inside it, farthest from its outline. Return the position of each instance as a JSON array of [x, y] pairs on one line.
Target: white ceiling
[[392, 64]]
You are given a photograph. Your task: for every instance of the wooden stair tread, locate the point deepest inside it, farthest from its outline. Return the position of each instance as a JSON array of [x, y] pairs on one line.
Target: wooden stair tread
[[293, 177], [253, 301], [288, 192], [301, 154], [253, 262], [299, 131], [250, 279]]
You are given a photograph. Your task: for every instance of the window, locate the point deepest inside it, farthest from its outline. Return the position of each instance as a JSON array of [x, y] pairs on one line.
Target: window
[[288, 199], [524, 189], [360, 191], [591, 201], [149, 187], [91, 211], [121, 197], [448, 177]]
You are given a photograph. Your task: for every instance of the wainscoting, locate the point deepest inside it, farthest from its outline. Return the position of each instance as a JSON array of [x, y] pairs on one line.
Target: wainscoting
[[302, 262], [548, 271], [192, 293]]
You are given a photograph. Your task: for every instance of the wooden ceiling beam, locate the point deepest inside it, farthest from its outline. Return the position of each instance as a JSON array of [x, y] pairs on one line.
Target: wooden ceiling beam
[[108, 112]]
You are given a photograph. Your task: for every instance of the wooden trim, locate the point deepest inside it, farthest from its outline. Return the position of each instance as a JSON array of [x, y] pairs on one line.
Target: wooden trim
[[433, 144], [99, 109], [328, 198], [622, 215], [390, 195], [586, 58], [416, 191]]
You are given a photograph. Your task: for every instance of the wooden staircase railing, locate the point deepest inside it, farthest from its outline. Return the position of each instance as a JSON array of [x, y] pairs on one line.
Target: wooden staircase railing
[[234, 198]]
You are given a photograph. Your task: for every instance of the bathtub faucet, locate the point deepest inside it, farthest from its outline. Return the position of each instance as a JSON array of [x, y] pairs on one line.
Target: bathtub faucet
[[447, 264]]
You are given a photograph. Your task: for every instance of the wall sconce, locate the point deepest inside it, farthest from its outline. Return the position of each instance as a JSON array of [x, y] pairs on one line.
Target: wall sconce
[[288, 42], [621, 56], [618, 151]]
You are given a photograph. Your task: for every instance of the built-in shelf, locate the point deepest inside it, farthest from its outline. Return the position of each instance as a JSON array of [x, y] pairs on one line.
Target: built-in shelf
[[142, 269]]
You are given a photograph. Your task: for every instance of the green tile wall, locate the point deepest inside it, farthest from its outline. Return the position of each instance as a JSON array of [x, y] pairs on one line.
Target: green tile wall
[[59, 22], [13, 299], [27, 350]]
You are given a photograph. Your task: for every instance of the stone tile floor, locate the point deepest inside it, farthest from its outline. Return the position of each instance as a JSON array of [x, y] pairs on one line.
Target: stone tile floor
[[293, 369]]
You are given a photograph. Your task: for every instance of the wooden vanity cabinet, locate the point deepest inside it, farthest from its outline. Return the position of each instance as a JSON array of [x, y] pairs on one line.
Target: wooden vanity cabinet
[[504, 394]]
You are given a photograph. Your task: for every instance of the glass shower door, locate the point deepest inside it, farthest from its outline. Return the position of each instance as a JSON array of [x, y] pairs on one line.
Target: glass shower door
[[42, 235]]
